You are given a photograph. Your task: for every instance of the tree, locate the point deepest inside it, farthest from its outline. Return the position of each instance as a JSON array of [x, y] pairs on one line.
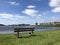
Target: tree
[[36, 23]]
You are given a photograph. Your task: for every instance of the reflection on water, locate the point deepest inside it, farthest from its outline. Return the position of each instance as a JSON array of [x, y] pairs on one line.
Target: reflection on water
[[10, 29], [6, 32]]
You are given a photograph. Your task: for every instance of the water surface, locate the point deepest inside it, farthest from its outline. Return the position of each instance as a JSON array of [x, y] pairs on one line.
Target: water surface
[[10, 29]]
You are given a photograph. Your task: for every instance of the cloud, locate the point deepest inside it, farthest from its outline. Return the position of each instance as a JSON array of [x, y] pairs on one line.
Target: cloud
[[31, 12], [57, 9], [9, 16], [31, 6], [13, 3], [39, 15], [17, 19], [55, 4], [13, 18], [6, 15], [55, 18], [1, 22]]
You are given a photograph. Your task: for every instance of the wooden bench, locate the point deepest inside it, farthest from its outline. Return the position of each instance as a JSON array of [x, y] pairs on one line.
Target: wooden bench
[[29, 30]]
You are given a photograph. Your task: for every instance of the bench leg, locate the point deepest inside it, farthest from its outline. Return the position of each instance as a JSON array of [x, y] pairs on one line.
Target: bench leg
[[18, 34], [30, 33]]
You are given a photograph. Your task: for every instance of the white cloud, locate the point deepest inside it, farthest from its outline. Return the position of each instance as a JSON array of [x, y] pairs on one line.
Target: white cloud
[[57, 9], [6, 15], [55, 4], [31, 12], [1, 22], [55, 18], [39, 15], [13, 3], [9, 16], [12, 18], [31, 6]]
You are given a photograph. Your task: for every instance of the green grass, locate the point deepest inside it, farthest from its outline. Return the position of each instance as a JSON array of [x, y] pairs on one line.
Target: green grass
[[38, 38]]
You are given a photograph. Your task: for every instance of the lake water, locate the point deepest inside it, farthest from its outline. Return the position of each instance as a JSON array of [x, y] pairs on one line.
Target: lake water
[[10, 29]]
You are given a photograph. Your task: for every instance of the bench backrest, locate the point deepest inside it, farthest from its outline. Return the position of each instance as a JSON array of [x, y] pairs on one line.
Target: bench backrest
[[23, 29]]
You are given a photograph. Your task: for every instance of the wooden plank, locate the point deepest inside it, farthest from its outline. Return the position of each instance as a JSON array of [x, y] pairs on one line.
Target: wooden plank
[[23, 29]]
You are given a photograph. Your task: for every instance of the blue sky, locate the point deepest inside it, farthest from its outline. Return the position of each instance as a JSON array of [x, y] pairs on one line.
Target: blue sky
[[29, 11]]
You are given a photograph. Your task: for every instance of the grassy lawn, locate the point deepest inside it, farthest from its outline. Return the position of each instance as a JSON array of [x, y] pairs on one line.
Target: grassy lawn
[[38, 38]]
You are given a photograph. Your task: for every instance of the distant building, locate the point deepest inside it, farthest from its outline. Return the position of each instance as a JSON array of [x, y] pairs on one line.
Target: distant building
[[50, 24], [54, 23]]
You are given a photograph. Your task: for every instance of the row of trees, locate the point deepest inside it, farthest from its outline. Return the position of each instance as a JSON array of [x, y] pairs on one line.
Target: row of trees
[[2, 25], [19, 25]]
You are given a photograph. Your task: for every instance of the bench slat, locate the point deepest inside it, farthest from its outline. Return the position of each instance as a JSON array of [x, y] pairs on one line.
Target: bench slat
[[23, 29]]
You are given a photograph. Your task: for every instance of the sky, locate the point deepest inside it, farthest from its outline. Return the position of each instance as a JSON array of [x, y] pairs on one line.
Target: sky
[[29, 11]]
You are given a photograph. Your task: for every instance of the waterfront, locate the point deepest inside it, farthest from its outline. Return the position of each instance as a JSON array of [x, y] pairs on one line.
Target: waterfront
[[10, 29]]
